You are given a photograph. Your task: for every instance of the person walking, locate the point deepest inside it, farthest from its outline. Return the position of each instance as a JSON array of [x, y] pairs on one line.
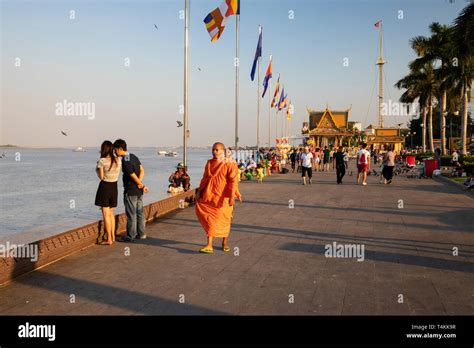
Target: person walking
[[388, 165], [216, 198], [326, 156], [363, 164], [300, 153], [293, 156], [133, 190], [108, 171], [317, 160], [339, 164], [346, 159], [331, 157], [307, 162]]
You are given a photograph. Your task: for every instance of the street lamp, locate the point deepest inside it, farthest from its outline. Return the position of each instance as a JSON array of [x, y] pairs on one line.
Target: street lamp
[[412, 135]]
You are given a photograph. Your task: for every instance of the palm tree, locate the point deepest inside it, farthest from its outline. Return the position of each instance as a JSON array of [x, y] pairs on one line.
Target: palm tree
[[460, 72], [420, 84], [425, 65], [436, 49]]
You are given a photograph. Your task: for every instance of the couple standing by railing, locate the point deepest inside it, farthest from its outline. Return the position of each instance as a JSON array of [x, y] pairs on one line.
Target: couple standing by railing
[[113, 158]]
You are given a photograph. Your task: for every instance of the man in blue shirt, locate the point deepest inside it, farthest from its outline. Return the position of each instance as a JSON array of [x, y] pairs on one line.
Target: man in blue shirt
[[133, 189]]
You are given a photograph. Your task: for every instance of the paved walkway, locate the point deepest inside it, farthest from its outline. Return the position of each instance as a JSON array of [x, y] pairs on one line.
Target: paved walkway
[[281, 267]]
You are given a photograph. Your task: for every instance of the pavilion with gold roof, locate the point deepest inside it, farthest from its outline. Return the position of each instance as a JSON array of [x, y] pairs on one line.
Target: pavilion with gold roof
[[327, 127], [381, 138]]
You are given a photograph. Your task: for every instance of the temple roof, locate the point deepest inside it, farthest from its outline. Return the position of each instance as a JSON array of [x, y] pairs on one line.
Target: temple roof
[[328, 118]]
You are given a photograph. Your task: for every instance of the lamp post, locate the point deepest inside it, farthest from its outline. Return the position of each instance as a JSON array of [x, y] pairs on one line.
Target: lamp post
[[411, 141]]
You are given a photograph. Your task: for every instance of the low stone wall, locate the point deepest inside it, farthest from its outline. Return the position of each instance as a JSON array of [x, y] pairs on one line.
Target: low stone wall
[[53, 248]]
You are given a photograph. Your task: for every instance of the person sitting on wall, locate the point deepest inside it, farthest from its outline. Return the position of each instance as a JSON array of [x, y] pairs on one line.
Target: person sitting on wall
[[179, 180]]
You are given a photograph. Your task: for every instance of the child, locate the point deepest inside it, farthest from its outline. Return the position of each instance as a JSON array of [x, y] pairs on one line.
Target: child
[[268, 167], [260, 174], [382, 176], [248, 174]]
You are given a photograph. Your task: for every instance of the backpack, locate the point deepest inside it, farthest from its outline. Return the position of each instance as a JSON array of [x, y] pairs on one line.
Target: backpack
[[362, 159]]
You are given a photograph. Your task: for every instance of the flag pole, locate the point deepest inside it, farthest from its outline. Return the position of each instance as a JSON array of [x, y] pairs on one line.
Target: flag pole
[[380, 63], [289, 125], [258, 103], [276, 125], [282, 124], [186, 51], [269, 113], [237, 63]]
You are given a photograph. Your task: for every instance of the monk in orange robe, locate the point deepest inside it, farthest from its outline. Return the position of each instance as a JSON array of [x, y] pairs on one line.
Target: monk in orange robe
[[216, 197]]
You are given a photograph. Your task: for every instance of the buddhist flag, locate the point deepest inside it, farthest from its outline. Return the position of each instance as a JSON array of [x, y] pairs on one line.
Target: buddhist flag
[[282, 101], [216, 20], [258, 53], [377, 25], [268, 76], [277, 89], [289, 111]]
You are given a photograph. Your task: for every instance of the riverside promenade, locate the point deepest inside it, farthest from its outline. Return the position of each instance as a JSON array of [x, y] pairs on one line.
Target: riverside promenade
[[278, 265]]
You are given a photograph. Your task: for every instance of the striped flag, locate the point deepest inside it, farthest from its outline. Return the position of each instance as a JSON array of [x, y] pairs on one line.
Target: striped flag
[[377, 25], [282, 102], [289, 111], [268, 76], [258, 53], [277, 89], [216, 20]]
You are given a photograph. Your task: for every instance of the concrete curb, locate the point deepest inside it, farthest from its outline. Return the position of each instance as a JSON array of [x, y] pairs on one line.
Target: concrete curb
[[453, 183]]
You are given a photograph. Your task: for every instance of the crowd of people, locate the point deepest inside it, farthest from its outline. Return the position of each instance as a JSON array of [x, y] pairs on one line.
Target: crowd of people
[[309, 159], [218, 189]]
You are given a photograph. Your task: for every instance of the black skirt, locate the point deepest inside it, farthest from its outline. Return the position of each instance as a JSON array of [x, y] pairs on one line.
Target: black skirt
[[107, 194]]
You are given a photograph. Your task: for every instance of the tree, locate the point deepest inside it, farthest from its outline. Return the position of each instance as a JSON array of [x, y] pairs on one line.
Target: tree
[[426, 51], [436, 50], [460, 72], [420, 84]]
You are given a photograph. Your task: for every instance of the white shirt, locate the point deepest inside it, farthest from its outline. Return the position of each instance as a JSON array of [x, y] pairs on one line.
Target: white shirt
[[306, 159], [110, 174], [367, 156]]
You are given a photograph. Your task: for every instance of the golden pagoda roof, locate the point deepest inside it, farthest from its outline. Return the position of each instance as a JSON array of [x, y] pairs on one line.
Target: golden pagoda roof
[[333, 119]]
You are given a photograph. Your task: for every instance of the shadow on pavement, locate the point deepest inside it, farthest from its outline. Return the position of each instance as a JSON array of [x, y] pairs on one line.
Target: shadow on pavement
[[415, 260]]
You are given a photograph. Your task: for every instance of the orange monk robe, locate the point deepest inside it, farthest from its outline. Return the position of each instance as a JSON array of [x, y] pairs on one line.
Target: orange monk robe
[[218, 188]]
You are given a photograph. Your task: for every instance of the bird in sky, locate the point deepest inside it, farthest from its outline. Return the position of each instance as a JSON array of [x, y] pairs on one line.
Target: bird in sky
[[180, 124], [64, 133], [156, 27], [199, 68]]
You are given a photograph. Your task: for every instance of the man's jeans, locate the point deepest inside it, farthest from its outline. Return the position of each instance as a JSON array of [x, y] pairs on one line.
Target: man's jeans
[[340, 172], [135, 215]]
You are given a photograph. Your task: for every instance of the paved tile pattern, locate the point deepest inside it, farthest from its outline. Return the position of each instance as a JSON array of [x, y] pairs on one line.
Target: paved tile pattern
[[278, 263]]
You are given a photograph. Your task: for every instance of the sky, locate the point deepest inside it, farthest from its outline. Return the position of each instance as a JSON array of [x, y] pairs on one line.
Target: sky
[[47, 58]]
